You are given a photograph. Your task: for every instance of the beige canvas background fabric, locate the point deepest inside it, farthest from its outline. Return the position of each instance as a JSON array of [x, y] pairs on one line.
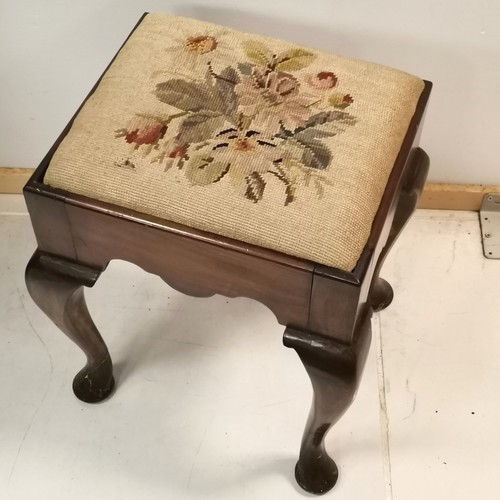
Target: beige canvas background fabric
[[130, 145]]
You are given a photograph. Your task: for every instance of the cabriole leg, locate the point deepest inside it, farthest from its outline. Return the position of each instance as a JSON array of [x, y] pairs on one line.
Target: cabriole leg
[[56, 285], [335, 370], [381, 293]]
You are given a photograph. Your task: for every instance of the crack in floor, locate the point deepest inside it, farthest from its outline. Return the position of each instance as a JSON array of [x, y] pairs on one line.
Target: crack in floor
[[384, 417]]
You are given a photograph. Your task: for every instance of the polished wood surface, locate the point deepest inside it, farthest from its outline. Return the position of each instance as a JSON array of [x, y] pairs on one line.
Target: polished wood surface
[[335, 367], [196, 266], [381, 293], [335, 371], [56, 285]]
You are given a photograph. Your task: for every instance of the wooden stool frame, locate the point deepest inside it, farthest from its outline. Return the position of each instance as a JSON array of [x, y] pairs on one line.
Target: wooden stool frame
[[326, 311]]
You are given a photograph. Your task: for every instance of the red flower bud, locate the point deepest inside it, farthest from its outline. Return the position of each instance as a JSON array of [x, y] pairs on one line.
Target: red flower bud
[[178, 151], [323, 80], [143, 130]]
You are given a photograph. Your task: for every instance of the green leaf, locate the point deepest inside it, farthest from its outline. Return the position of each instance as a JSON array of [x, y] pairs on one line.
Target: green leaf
[[337, 122], [316, 155], [323, 117], [320, 190], [198, 127], [306, 141], [224, 90], [188, 96], [337, 100], [289, 186], [245, 68], [312, 134], [313, 153], [257, 52], [294, 59], [255, 187], [203, 170]]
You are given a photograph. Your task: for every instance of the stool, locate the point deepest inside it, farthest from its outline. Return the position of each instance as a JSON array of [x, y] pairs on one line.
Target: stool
[[235, 164]]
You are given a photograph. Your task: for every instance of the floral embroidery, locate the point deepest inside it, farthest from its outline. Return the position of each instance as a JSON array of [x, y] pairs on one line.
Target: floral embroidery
[[201, 44], [143, 130], [339, 100], [272, 98], [244, 123], [191, 53], [323, 80]]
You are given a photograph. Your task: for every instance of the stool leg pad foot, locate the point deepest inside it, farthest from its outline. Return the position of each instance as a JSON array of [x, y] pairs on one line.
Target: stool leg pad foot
[[93, 385], [317, 476], [381, 295]]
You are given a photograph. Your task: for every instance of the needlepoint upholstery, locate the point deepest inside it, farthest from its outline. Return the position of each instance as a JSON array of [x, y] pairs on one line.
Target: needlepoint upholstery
[[250, 137]]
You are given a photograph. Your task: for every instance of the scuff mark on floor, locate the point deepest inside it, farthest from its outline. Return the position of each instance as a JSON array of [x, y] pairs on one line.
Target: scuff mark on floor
[[384, 416], [195, 459], [453, 256], [414, 396], [35, 414]]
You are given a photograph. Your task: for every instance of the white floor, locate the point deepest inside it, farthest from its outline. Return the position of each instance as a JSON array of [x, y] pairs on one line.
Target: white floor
[[211, 406]]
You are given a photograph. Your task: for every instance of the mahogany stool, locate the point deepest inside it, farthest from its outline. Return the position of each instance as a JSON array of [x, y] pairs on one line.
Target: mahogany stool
[[234, 164]]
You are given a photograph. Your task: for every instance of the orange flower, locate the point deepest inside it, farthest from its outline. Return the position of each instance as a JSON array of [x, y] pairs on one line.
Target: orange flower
[[202, 44]]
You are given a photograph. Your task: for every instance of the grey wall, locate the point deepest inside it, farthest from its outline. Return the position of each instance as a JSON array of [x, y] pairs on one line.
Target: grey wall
[[52, 52]]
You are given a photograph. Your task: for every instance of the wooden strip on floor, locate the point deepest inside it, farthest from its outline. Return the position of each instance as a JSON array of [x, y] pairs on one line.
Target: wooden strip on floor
[[435, 196], [12, 180], [455, 196]]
